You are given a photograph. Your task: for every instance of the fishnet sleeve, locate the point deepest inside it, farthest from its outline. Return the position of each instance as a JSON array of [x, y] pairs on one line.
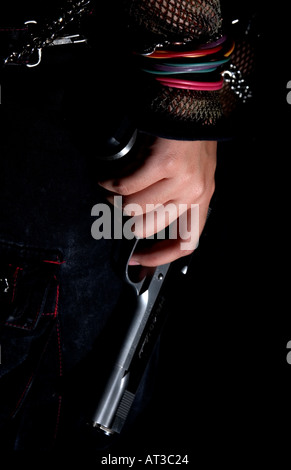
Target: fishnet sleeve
[[172, 19], [153, 22]]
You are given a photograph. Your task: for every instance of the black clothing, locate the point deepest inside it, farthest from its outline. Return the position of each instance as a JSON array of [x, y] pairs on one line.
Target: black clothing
[[59, 310]]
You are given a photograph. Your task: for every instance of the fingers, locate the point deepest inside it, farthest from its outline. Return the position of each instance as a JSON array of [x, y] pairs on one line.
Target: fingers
[[184, 241], [165, 192], [173, 178], [162, 252], [156, 164], [155, 220]]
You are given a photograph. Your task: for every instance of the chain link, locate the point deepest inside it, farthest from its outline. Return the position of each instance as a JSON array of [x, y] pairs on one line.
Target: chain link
[[50, 31], [237, 83], [4, 286]]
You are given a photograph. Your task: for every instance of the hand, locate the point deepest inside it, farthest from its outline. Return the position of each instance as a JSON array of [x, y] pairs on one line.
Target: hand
[[171, 175]]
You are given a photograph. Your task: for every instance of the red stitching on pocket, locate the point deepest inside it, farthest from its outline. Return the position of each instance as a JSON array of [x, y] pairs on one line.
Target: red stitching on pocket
[[57, 301], [53, 262], [22, 327], [33, 321], [15, 276]]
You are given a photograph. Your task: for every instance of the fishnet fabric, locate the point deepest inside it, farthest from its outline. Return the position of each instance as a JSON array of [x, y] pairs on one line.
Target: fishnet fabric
[[244, 57], [187, 105], [205, 107], [187, 20], [191, 19]]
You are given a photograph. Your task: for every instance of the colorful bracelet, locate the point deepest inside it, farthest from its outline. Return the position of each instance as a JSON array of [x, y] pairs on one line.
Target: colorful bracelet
[[198, 69]]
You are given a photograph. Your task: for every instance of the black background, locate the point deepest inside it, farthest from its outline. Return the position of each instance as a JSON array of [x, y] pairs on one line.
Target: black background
[[223, 386]]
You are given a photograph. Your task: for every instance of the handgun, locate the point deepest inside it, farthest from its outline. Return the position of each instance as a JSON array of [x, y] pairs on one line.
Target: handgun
[[149, 287]]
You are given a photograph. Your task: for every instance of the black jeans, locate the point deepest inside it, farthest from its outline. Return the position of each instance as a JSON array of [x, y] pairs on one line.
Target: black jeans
[[59, 294]]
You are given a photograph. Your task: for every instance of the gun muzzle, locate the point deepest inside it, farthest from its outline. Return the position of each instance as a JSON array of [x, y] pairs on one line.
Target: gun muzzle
[[137, 346]]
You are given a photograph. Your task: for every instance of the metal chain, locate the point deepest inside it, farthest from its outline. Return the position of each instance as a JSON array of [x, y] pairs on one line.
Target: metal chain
[[4, 286], [238, 85], [50, 31]]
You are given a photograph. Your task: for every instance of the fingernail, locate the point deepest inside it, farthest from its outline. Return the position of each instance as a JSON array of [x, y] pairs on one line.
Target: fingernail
[[133, 262]]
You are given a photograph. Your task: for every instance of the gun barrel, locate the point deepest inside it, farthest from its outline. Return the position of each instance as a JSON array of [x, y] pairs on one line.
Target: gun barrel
[[119, 393]]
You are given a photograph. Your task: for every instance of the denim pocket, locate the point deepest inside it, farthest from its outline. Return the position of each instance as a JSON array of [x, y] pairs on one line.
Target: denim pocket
[[28, 283], [29, 294], [30, 340]]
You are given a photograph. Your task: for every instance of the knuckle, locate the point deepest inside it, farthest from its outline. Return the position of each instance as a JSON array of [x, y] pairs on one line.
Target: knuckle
[[199, 190], [203, 189], [120, 187], [209, 190], [170, 164], [186, 180]]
